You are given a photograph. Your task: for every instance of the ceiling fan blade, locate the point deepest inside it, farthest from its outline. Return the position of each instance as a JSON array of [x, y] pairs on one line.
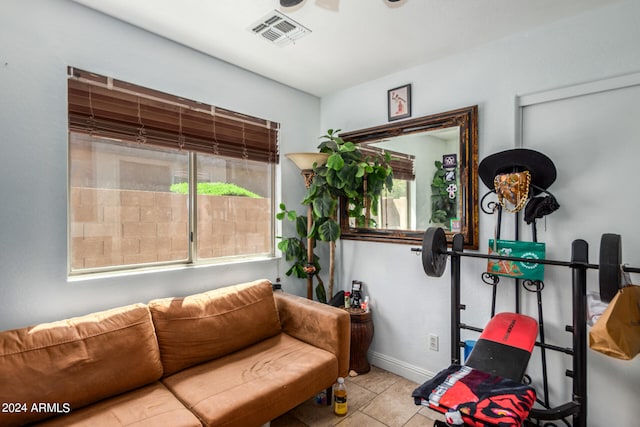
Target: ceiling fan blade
[[332, 5]]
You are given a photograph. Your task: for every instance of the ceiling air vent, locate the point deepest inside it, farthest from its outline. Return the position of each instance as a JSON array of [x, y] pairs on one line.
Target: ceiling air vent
[[279, 29]]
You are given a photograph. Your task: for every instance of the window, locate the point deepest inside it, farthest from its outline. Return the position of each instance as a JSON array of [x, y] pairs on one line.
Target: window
[[394, 212], [159, 180]]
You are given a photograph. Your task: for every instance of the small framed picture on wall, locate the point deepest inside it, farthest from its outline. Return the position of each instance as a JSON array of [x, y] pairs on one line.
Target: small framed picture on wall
[[399, 102]]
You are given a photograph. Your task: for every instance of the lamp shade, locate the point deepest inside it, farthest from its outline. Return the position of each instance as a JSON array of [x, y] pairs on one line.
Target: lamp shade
[[305, 161]]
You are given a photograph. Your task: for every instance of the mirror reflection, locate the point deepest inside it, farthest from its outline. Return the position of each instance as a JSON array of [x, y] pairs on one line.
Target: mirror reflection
[[434, 161], [427, 194]]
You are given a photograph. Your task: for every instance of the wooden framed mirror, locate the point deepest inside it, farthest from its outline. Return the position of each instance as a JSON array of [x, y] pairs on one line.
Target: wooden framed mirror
[[425, 194]]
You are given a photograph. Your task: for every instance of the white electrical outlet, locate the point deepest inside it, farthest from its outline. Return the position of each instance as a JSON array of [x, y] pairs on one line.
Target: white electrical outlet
[[433, 342]]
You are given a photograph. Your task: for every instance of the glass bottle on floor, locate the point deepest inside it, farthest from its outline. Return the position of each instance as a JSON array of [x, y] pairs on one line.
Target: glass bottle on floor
[[340, 398]]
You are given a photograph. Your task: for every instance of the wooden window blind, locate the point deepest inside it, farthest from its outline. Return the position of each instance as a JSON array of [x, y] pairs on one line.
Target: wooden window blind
[[112, 108], [401, 163]]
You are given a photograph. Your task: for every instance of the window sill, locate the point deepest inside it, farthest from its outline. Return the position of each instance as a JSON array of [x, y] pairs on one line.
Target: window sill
[[81, 277]]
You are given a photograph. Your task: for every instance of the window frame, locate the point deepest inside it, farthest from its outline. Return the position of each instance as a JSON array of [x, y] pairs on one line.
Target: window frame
[[271, 156]]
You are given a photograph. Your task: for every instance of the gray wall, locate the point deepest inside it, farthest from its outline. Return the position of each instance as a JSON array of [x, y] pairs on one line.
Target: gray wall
[[38, 40], [408, 305]]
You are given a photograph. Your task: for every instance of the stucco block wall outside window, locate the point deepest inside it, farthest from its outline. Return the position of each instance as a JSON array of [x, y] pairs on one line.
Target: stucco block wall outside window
[[124, 227]]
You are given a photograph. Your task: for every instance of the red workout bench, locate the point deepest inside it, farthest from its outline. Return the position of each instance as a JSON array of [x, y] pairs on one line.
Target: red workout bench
[[487, 390]]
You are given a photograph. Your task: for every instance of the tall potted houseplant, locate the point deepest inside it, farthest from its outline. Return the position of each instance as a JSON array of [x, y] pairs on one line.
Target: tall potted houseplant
[[348, 176]]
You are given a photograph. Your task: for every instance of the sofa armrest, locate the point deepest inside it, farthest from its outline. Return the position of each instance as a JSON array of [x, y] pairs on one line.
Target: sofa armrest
[[320, 325]]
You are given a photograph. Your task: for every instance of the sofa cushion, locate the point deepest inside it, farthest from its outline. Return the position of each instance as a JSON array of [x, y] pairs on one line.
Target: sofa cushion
[[320, 325], [201, 327], [149, 406], [71, 363], [255, 385]]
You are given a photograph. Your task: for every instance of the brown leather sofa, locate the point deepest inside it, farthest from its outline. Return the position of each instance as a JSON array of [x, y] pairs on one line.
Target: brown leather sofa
[[236, 356]]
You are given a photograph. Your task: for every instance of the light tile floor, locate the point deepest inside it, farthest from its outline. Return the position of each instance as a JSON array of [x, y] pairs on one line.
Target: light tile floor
[[376, 399]]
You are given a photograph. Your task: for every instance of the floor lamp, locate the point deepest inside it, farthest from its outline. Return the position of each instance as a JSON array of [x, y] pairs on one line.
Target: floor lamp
[[305, 162]]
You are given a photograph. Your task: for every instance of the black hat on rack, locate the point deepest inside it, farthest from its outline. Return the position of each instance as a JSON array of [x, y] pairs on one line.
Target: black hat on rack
[[540, 171], [541, 168]]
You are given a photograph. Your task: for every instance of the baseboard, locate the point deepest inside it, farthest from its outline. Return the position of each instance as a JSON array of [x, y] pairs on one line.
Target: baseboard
[[398, 367]]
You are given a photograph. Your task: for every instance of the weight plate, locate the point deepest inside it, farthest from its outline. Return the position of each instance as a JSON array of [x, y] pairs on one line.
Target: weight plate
[[610, 276], [434, 252]]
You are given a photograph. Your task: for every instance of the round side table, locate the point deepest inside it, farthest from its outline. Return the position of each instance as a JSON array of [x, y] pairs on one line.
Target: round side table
[[361, 336]]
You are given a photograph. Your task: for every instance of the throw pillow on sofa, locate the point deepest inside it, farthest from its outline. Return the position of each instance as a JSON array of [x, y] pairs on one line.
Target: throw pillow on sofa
[[205, 326], [72, 363]]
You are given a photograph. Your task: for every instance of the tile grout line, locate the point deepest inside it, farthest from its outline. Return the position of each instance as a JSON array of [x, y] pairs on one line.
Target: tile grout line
[[372, 386]]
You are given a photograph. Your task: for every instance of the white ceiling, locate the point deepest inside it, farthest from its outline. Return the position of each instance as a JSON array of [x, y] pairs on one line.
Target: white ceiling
[[351, 41]]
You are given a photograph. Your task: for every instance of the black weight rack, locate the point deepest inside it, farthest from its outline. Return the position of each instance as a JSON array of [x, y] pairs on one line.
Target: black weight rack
[[577, 407], [538, 172]]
